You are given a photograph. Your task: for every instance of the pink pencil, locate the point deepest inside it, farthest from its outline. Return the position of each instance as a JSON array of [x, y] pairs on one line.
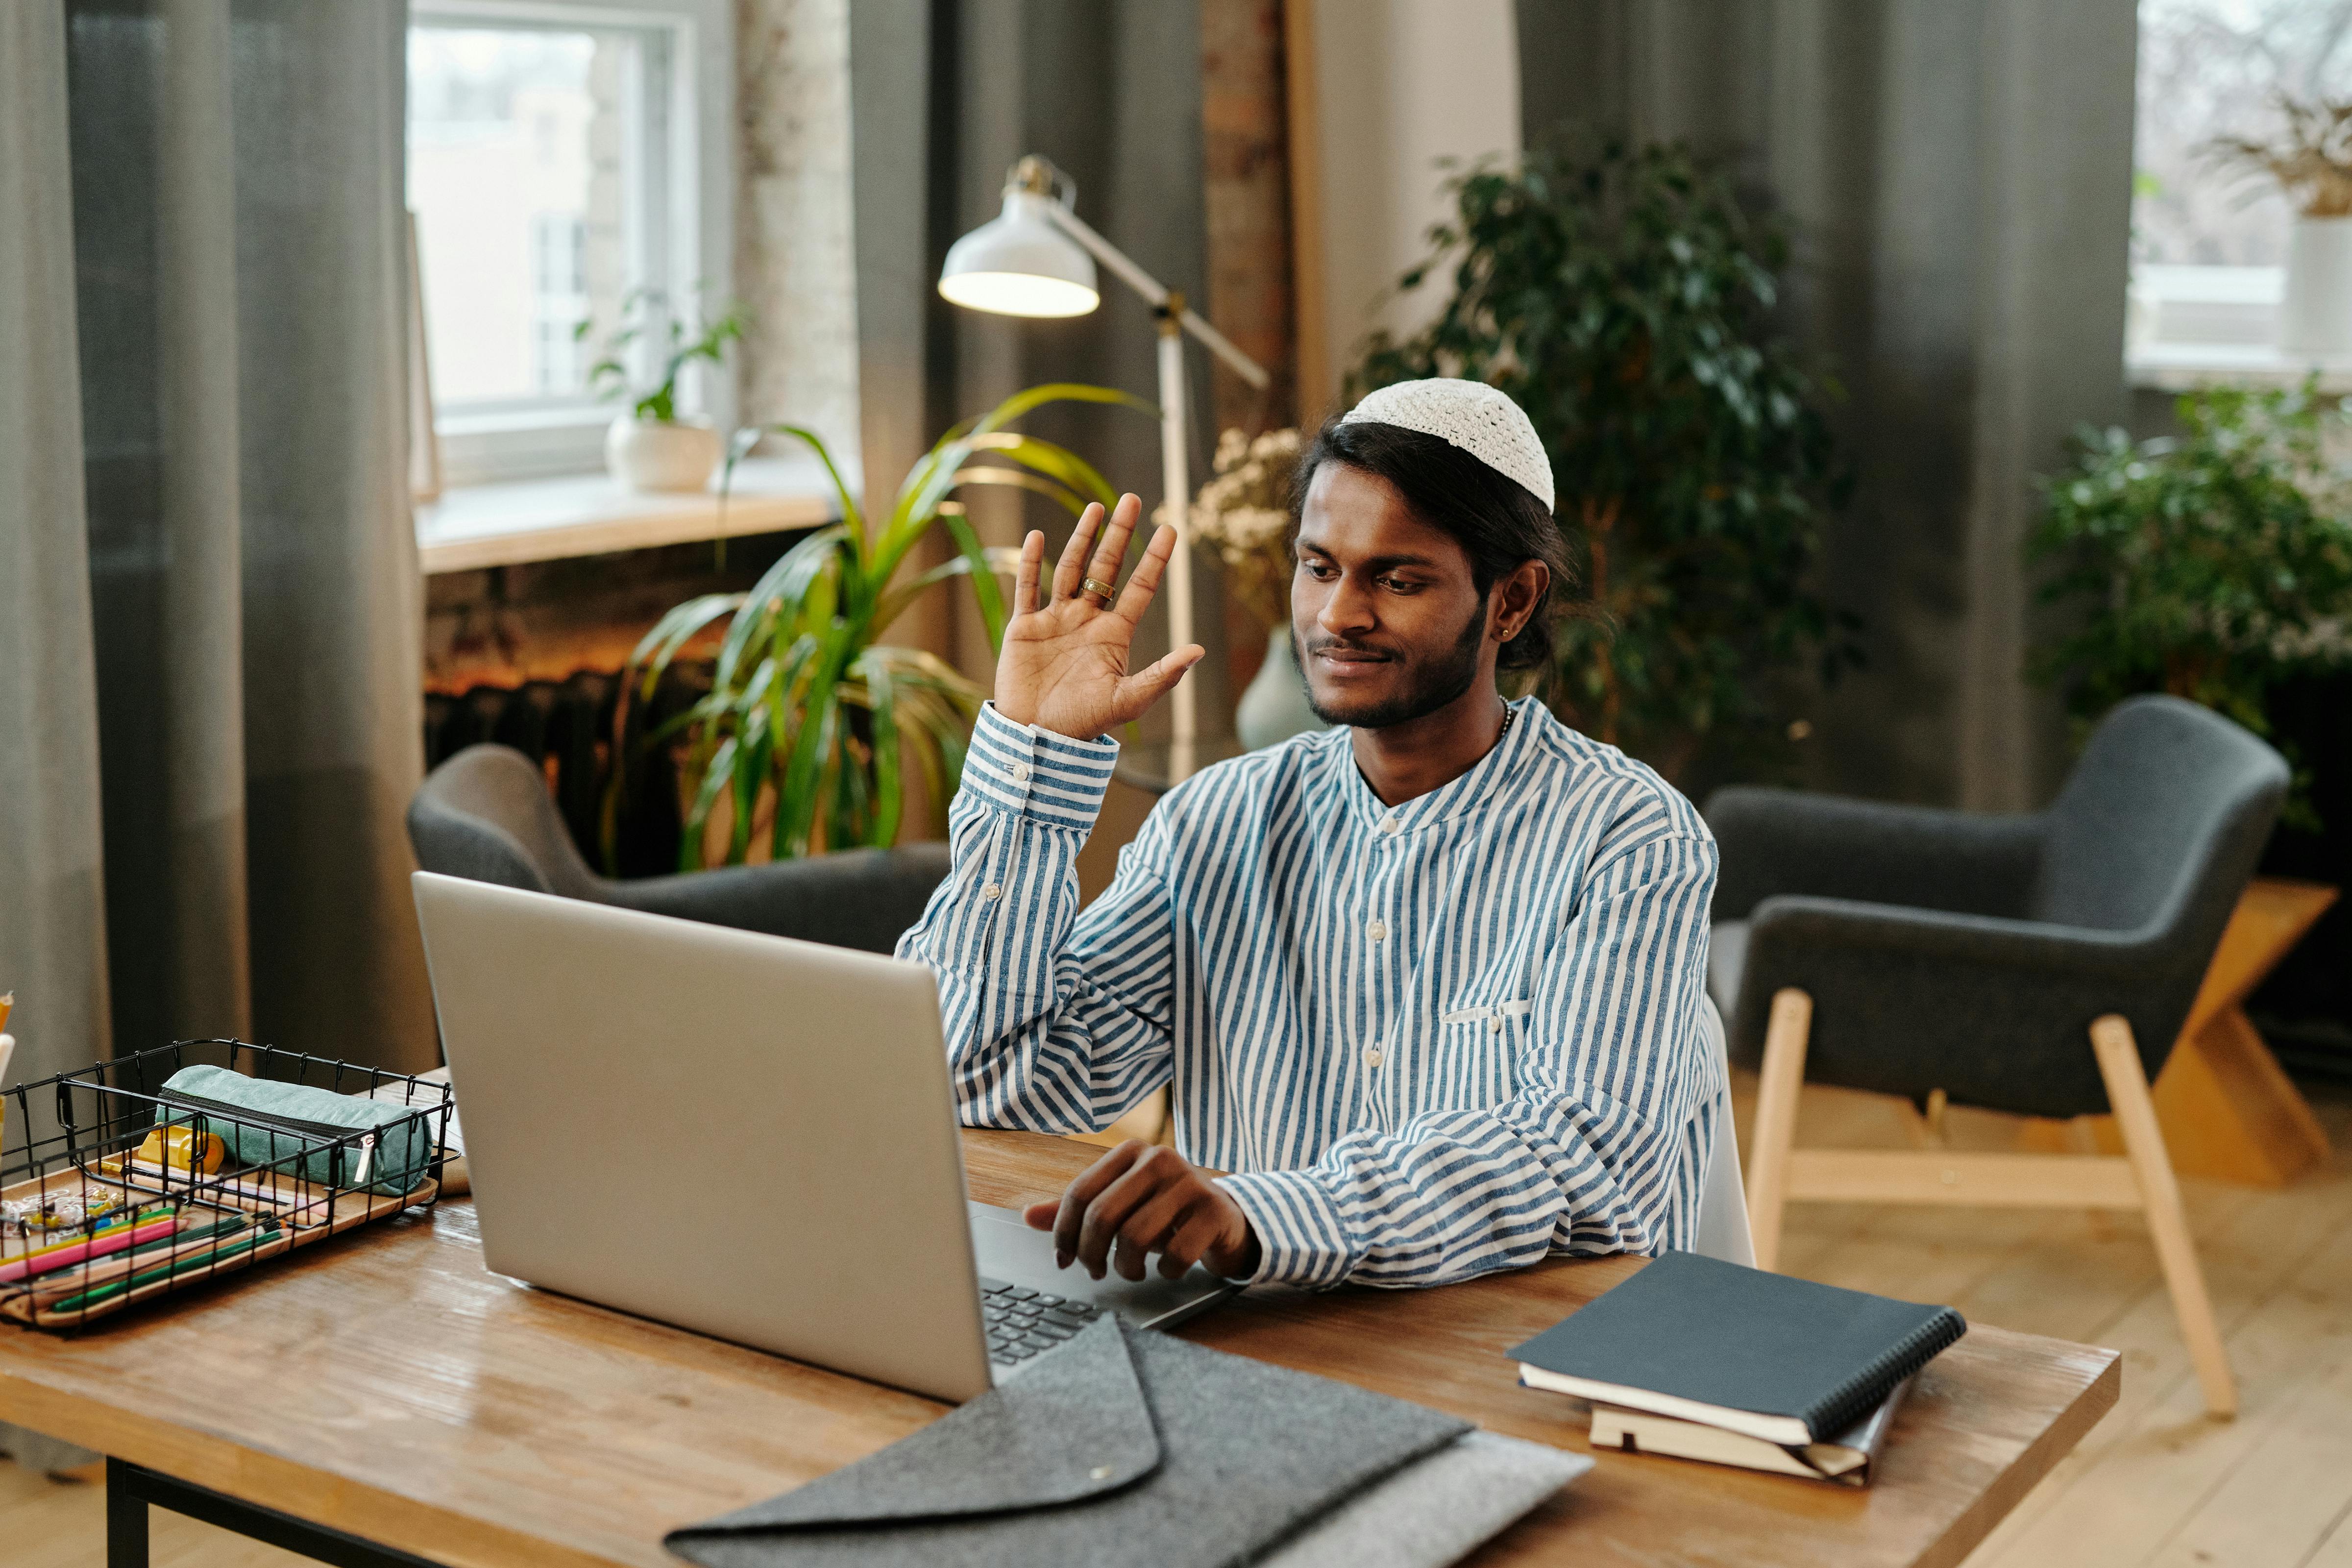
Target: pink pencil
[[114, 1240]]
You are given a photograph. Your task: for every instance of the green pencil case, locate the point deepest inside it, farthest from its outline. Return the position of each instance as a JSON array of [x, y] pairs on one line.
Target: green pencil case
[[274, 1123]]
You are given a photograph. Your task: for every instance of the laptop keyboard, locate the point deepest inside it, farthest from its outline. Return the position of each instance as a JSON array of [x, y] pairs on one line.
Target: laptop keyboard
[[1021, 1322]]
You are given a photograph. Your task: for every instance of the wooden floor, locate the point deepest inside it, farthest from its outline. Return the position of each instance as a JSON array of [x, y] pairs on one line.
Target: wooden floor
[[58, 1524], [2157, 1483]]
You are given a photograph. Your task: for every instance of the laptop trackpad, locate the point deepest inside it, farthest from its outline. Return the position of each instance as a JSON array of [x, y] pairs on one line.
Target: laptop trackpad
[[1005, 1249]]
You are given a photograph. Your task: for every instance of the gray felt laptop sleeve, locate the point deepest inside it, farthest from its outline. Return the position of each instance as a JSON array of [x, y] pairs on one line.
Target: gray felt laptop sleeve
[[1121, 1445]]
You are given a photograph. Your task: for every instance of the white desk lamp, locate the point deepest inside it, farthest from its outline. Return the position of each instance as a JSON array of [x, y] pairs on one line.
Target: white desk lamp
[[1037, 258]]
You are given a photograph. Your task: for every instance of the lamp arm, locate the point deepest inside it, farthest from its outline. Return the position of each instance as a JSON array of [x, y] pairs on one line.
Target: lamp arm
[[1248, 369], [1155, 293]]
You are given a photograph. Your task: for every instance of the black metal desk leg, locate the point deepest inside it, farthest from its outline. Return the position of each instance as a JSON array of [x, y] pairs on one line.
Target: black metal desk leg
[[129, 1489], [126, 1520]]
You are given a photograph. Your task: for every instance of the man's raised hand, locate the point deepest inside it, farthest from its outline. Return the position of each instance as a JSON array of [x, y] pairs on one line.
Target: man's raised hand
[[1064, 664]]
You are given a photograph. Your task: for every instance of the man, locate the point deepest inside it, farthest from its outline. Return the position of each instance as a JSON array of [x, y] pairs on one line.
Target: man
[[1428, 985]]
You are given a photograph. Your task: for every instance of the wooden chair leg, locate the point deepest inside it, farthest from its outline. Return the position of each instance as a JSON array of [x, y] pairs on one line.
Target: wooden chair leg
[[1783, 1079], [2127, 1092]]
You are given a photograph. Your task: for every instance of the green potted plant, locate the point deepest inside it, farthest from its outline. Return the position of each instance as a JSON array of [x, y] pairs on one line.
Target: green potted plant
[[1620, 296], [813, 722], [2212, 565], [650, 447]]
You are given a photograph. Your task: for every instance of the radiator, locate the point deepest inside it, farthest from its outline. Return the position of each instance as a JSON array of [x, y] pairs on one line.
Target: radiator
[[566, 727]]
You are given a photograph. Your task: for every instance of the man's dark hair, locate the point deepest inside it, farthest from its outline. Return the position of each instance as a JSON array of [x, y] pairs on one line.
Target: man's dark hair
[[1497, 519]]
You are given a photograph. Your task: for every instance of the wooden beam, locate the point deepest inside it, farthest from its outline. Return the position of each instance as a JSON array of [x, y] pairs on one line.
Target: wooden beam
[[1941, 1176], [1245, 167], [1317, 392]]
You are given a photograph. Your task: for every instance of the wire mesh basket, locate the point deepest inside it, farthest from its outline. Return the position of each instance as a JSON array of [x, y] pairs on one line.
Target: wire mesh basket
[[117, 1187]]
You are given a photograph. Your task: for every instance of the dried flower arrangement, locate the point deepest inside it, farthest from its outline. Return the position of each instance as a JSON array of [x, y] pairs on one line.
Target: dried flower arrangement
[[2311, 159], [1244, 511]]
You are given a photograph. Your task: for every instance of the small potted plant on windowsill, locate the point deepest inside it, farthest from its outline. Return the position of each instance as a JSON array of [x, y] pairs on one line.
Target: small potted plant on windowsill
[[650, 448], [2311, 158]]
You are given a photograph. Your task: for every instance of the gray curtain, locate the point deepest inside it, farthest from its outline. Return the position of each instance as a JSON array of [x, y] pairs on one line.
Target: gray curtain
[[52, 912], [237, 171], [208, 576], [1957, 174], [1112, 94], [945, 94], [52, 917]]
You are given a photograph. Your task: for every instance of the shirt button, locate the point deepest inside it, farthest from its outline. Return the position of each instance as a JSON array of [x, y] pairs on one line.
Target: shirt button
[[1377, 931], [1389, 826], [994, 891], [1375, 1057], [1020, 772], [1495, 1023]]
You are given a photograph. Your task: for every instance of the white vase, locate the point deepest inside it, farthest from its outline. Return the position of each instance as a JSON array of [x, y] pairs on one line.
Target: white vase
[[661, 455], [2315, 317], [1275, 706]]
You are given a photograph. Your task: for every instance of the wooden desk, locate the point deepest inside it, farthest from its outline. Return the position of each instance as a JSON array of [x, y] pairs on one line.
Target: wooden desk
[[382, 1383]]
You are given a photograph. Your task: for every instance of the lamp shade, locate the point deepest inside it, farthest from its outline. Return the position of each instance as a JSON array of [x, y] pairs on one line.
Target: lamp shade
[[1019, 264]]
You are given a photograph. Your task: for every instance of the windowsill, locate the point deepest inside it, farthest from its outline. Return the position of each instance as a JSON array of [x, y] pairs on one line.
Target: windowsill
[[2186, 367], [591, 514]]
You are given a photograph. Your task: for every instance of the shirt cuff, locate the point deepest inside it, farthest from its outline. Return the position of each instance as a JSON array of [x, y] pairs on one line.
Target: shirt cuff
[[1037, 773], [1301, 1238]]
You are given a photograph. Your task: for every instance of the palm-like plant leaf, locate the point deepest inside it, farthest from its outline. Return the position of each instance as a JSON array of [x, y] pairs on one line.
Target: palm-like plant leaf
[[808, 716]]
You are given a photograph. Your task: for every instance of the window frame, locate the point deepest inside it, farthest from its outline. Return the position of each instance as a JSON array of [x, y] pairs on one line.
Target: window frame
[[687, 239]]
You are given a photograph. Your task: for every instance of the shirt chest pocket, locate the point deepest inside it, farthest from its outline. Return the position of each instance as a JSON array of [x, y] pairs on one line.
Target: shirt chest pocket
[[1477, 1054], [1494, 1016]]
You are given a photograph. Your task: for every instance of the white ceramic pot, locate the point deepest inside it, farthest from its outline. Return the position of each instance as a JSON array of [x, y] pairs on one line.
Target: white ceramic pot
[[2315, 317], [1275, 706], [650, 455]]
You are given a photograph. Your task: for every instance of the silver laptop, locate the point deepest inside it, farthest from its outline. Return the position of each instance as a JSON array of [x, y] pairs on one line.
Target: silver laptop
[[747, 1136]]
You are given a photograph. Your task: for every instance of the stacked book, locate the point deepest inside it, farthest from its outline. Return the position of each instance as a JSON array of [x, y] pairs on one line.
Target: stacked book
[[1705, 1360]]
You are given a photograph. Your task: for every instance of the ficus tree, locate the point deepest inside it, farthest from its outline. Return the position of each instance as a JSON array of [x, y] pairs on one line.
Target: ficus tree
[[2213, 565], [1622, 297]]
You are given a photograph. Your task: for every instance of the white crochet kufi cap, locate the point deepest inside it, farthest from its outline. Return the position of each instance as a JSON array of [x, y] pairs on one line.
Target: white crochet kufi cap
[[1472, 415]]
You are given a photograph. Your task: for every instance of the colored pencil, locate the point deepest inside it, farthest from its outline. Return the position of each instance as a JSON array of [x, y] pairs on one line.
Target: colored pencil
[[98, 1231], [105, 1223], [67, 1282], [99, 1245], [210, 1259]]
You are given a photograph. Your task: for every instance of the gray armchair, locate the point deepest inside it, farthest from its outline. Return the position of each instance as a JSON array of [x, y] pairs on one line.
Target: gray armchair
[[486, 814], [2042, 964]]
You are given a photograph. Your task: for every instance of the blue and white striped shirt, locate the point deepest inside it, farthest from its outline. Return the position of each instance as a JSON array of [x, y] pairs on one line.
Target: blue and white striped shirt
[[1430, 1041]]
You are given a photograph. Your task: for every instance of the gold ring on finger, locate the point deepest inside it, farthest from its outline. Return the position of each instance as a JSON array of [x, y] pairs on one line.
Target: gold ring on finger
[[1100, 590]]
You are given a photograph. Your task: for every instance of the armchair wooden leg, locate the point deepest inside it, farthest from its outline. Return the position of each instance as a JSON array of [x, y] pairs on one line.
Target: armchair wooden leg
[[1783, 1079], [2168, 1223]]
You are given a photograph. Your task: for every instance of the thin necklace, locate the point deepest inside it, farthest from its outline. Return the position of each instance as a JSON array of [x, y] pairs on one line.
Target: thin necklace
[[1509, 713]]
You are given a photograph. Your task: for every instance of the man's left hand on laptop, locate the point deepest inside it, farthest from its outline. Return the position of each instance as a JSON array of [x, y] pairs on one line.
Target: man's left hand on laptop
[[1142, 1199]]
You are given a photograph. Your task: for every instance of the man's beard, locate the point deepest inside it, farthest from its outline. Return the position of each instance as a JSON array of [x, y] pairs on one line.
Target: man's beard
[[1433, 683]]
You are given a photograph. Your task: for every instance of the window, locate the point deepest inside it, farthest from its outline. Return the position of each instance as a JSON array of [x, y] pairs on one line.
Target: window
[[557, 156], [561, 303], [2208, 237]]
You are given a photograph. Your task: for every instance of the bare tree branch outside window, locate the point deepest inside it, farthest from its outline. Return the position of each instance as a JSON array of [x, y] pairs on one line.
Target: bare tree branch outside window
[[2218, 68]]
